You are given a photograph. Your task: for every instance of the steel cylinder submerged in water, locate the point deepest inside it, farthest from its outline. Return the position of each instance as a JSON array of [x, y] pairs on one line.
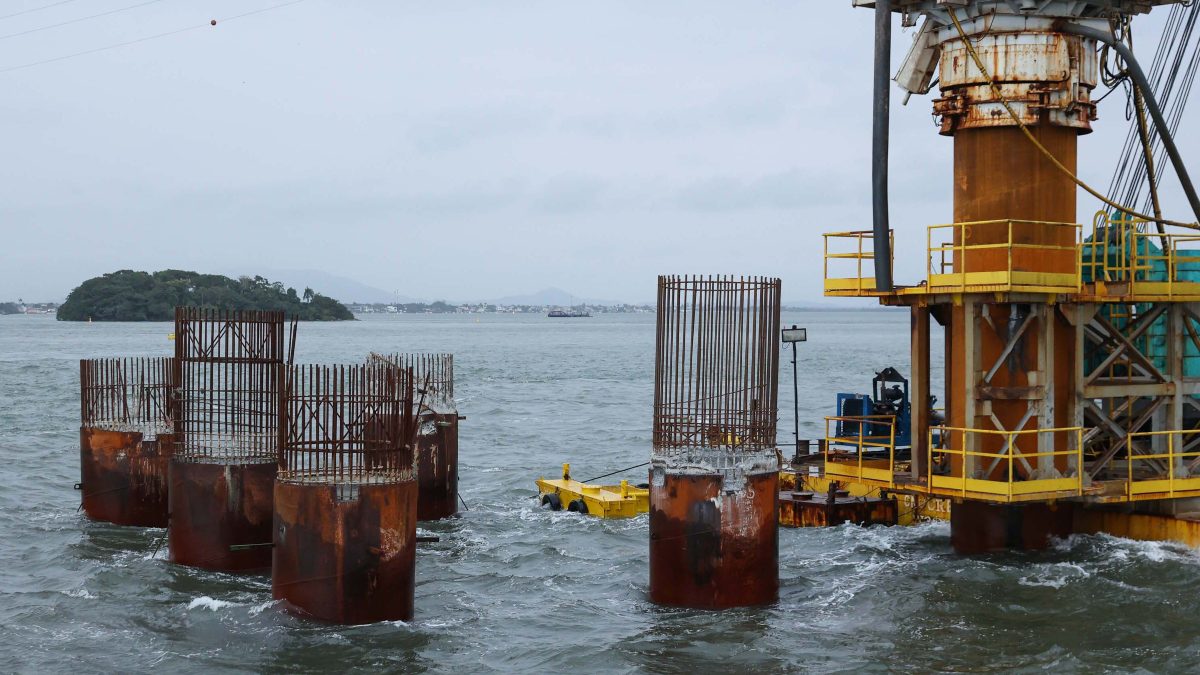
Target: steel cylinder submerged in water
[[125, 439], [436, 445], [346, 495], [228, 367], [714, 469]]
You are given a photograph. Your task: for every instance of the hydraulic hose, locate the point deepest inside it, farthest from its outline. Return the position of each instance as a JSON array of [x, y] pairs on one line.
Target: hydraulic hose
[[881, 111], [1143, 85]]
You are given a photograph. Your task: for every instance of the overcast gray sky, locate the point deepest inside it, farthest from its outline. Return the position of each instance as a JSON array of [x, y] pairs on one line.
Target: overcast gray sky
[[461, 149]]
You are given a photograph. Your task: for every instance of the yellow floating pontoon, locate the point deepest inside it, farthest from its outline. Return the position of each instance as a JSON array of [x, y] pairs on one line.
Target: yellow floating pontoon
[[605, 501]]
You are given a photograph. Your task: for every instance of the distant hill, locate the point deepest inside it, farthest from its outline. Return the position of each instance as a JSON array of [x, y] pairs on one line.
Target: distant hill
[[127, 295], [550, 296]]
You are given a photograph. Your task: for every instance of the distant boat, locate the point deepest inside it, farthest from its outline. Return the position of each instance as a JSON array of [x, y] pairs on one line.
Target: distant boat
[[568, 313]]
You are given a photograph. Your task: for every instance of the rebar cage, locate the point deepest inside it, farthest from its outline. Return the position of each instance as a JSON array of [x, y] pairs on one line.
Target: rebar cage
[[127, 394], [433, 375], [347, 424], [716, 369], [227, 366]]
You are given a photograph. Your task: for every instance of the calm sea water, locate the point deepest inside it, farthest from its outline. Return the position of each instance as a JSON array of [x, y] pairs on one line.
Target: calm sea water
[[511, 587]]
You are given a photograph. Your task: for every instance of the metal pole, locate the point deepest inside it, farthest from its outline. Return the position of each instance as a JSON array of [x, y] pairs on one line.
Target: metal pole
[[795, 402]]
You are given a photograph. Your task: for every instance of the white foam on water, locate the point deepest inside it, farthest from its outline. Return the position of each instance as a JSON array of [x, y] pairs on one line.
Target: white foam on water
[[79, 593], [1054, 575], [259, 609], [210, 604]]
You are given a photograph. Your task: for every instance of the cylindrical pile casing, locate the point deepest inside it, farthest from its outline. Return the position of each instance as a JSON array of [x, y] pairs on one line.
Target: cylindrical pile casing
[[221, 515], [713, 548], [228, 366], [437, 466], [346, 495], [125, 439], [437, 430], [714, 475], [346, 560]]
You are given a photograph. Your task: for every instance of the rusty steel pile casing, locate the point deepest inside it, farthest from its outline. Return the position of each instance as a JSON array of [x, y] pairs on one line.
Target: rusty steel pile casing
[[125, 439], [1010, 362], [714, 469], [228, 366], [437, 432], [346, 494]]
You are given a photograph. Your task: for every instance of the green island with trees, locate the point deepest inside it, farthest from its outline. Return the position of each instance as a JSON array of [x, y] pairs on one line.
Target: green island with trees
[[127, 295]]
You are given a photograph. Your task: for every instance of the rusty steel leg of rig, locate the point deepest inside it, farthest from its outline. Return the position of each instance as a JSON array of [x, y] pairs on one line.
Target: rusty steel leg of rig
[[125, 439], [346, 498], [1011, 357], [228, 366], [714, 472], [437, 434]]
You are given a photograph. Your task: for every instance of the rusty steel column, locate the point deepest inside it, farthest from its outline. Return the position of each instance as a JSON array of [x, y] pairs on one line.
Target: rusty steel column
[[1004, 369], [437, 431], [221, 515], [346, 497], [437, 466], [226, 428], [125, 439], [714, 470]]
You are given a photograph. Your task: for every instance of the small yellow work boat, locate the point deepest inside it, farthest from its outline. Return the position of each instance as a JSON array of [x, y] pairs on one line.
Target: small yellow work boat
[[605, 501]]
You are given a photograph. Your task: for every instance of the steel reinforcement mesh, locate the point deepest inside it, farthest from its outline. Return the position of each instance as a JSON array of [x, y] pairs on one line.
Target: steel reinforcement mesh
[[228, 369], [716, 372], [127, 394], [433, 374], [347, 424]]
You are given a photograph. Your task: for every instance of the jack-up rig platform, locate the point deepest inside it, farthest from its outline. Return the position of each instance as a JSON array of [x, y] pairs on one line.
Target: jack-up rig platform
[[1072, 356]]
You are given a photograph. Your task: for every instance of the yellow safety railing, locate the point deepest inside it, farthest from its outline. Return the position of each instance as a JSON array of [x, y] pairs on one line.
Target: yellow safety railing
[[957, 265], [1129, 250], [866, 440], [1010, 486], [855, 247], [1176, 456]]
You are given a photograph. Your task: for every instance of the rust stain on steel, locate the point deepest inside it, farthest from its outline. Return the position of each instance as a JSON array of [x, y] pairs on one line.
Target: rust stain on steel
[[347, 561], [1046, 77], [806, 509], [217, 505], [1000, 175], [981, 527], [713, 549], [437, 467], [124, 477]]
